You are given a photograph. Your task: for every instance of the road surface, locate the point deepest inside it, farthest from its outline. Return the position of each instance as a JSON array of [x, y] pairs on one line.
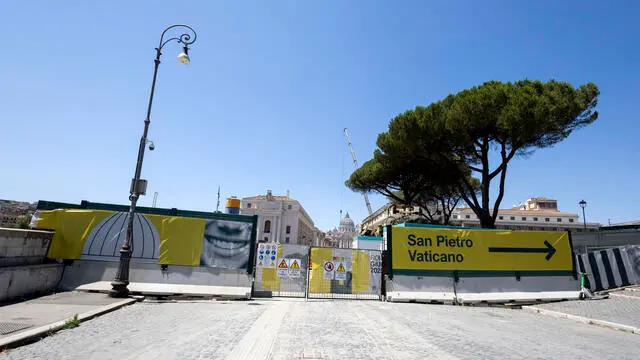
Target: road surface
[[344, 330]]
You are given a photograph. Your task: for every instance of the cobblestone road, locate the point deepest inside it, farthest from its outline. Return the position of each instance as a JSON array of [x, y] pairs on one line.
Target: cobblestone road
[[328, 330], [621, 310]]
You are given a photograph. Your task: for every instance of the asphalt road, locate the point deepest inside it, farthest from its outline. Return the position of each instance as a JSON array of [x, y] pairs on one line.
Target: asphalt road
[[291, 329]]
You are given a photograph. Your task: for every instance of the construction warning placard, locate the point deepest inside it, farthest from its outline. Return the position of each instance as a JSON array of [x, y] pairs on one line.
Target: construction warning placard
[[294, 268], [340, 272], [283, 267], [328, 268], [267, 256]]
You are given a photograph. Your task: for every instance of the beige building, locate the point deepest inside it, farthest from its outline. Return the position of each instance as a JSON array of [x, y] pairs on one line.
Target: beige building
[[388, 214], [535, 214], [281, 219]]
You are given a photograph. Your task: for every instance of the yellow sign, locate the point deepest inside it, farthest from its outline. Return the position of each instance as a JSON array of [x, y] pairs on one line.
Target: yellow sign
[[415, 248], [294, 264], [283, 264], [340, 268]]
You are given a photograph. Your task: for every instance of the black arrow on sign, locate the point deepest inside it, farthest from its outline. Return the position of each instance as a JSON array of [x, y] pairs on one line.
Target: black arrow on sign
[[549, 250]]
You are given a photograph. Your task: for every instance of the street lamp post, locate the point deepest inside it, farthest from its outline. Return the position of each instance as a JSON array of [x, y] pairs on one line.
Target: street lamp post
[[583, 204], [121, 281]]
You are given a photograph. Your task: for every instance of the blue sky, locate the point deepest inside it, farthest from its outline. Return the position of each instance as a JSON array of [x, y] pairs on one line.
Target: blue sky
[[272, 84]]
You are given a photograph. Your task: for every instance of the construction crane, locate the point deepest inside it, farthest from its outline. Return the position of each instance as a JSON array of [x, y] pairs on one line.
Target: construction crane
[[355, 163]]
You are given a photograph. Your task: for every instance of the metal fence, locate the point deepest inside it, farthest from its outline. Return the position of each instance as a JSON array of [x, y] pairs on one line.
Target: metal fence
[[281, 270], [345, 274], [287, 270]]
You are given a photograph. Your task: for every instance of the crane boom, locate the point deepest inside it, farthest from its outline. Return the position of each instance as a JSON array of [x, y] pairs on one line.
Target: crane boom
[[355, 163]]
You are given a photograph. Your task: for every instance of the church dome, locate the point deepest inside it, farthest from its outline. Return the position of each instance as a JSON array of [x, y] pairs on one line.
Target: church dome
[[347, 225], [346, 221]]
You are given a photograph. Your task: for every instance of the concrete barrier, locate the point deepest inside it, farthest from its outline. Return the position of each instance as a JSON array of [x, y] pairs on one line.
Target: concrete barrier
[[511, 289], [28, 280], [421, 289], [150, 279], [610, 268], [23, 247]]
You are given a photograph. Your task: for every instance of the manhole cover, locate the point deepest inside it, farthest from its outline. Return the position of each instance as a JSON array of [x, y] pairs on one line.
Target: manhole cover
[[8, 328]]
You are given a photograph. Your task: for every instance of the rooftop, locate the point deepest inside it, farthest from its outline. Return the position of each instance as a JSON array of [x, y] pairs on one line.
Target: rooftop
[[264, 197], [523, 211]]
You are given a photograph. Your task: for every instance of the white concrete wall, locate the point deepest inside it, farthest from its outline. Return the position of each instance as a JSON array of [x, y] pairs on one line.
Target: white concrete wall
[[176, 279], [29, 280], [23, 247], [367, 244]]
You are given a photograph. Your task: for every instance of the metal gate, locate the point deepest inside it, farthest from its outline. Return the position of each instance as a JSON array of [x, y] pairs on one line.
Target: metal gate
[[281, 270], [345, 274]]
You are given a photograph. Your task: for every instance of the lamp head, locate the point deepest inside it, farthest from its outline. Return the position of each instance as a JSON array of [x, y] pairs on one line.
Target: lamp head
[[583, 204], [184, 56]]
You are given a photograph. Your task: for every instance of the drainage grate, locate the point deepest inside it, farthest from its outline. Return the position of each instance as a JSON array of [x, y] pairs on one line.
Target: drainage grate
[[8, 328]]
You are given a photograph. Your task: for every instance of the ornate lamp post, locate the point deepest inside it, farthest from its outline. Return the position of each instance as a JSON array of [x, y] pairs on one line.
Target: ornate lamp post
[[583, 204], [138, 186]]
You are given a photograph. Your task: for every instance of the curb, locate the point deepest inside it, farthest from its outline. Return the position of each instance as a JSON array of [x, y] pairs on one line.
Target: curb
[[625, 296], [46, 330], [582, 319]]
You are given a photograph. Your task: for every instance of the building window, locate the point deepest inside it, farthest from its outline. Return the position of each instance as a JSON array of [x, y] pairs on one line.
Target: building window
[[289, 207], [535, 219], [288, 229], [248, 205], [570, 220], [468, 216], [559, 219], [267, 226], [513, 218], [266, 239], [286, 240], [455, 216], [547, 219], [501, 217], [524, 218]]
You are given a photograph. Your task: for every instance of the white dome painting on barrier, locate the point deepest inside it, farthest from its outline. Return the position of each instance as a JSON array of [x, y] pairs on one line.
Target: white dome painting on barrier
[[106, 238]]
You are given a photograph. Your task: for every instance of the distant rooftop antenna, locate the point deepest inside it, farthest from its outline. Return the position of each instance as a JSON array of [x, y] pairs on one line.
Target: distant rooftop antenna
[[155, 199], [218, 204]]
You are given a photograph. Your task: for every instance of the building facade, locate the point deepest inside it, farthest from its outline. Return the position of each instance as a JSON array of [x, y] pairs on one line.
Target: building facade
[[388, 214], [11, 212], [534, 214], [281, 219]]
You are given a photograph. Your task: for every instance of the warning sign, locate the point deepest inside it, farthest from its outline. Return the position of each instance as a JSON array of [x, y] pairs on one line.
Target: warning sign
[[267, 255], [294, 268], [341, 271], [328, 268], [283, 267]]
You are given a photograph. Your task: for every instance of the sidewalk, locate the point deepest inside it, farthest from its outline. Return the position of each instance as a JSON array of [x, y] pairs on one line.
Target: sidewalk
[[35, 318], [621, 311]]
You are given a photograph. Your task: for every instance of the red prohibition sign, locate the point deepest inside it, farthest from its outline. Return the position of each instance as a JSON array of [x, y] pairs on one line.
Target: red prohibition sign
[[328, 266]]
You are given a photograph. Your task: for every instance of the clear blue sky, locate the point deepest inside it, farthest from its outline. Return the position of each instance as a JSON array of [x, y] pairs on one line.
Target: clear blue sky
[[272, 84]]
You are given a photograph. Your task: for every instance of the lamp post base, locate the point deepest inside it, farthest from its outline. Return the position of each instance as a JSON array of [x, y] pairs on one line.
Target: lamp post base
[[119, 290], [119, 284]]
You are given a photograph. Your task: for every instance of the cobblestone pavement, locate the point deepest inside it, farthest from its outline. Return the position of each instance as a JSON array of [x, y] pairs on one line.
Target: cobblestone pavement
[[627, 293], [621, 310], [342, 330]]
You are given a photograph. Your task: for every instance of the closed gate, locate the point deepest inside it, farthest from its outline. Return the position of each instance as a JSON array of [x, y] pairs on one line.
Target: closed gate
[[281, 270], [345, 274]]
